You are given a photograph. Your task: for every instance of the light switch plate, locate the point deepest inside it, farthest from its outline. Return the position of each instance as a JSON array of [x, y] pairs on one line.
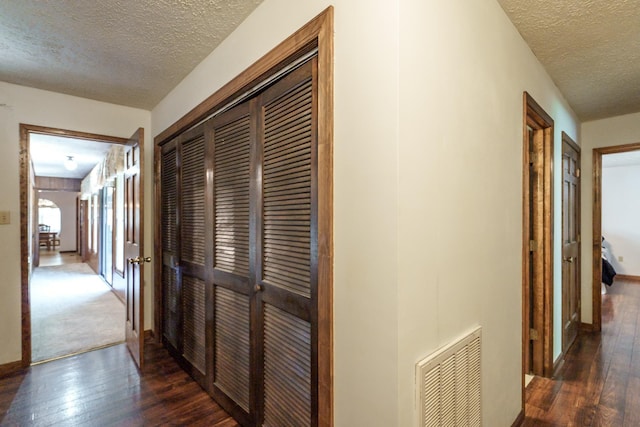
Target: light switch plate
[[5, 217]]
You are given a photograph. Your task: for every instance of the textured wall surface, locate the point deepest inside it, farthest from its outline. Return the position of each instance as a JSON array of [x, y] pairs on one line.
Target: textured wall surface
[[590, 48], [124, 52]]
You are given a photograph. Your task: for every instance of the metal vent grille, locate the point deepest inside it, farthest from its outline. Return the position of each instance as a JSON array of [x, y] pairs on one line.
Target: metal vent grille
[[448, 384]]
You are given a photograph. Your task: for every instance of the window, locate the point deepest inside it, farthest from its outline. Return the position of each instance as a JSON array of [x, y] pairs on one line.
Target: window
[[119, 231], [49, 214]]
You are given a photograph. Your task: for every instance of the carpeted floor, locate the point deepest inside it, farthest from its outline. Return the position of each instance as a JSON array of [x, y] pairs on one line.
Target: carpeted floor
[[72, 310]]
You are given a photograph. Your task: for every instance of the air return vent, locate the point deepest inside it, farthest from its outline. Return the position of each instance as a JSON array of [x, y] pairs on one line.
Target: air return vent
[[448, 384]]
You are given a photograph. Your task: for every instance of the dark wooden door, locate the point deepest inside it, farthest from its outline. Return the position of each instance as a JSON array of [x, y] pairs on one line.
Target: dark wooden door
[[133, 248], [285, 278], [239, 226], [231, 135], [570, 242]]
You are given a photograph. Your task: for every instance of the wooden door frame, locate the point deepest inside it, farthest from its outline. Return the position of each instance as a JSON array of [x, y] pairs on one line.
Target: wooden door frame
[[596, 277], [567, 139], [25, 169], [315, 35], [535, 117]]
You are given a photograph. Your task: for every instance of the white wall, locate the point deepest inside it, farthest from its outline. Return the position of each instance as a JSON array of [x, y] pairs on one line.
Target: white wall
[[428, 159], [66, 201], [614, 131], [32, 106], [621, 217], [464, 68]]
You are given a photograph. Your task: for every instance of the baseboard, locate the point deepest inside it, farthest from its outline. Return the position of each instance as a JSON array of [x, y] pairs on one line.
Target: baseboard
[[519, 419], [628, 278], [10, 368], [148, 335], [558, 364], [586, 327]]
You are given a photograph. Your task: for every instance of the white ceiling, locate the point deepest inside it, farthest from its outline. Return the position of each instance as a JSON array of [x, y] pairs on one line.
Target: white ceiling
[[630, 158], [591, 49], [119, 51], [48, 154]]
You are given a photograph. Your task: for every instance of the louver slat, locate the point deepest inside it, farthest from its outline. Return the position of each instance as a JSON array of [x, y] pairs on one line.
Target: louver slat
[[232, 360], [193, 209], [287, 191], [170, 305], [287, 369], [169, 200], [231, 179], [193, 332], [169, 246]]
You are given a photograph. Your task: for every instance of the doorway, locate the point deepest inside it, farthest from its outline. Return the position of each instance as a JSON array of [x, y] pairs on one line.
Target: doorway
[[79, 230], [537, 250], [598, 154]]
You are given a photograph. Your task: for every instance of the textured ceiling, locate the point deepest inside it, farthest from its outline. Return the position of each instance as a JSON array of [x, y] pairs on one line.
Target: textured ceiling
[[128, 52], [591, 49], [134, 52]]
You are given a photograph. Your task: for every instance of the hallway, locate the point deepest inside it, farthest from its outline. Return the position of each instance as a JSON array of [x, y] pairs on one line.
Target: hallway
[[72, 308], [599, 384]]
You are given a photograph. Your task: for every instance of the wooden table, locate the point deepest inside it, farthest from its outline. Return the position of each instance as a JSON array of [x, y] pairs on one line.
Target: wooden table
[[49, 238]]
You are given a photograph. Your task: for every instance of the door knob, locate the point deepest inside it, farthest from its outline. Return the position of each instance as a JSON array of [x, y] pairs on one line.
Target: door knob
[[139, 260], [568, 259]]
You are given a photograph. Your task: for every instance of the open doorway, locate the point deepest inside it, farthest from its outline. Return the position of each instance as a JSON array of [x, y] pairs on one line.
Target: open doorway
[[537, 250], [619, 160], [70, 302]]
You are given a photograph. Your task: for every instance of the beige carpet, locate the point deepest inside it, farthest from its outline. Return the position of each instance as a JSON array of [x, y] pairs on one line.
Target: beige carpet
[[72, 310]]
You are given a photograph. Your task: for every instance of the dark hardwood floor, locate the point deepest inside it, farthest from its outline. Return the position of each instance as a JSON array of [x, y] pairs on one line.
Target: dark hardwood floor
[[104, 388], [599, 384]]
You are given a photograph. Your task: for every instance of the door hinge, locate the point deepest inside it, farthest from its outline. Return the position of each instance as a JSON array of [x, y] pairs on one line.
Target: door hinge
[[533, 334], [533, 246]]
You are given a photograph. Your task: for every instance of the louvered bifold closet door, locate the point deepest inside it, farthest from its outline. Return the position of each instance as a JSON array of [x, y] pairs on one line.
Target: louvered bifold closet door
[[169, 206], [287, 276], [232, 134], [192, 250]]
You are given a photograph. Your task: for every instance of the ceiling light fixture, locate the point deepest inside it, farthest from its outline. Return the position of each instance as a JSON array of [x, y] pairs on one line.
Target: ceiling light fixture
[[70, 164]]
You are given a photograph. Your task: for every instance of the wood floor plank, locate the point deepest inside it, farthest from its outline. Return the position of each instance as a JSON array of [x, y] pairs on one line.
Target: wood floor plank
[[632, 404], [599, 383], [105, 388]]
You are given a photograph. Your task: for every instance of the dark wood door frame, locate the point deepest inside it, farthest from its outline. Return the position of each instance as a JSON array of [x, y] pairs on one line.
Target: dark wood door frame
[[25, 215], [596, 277], [537, 248]]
